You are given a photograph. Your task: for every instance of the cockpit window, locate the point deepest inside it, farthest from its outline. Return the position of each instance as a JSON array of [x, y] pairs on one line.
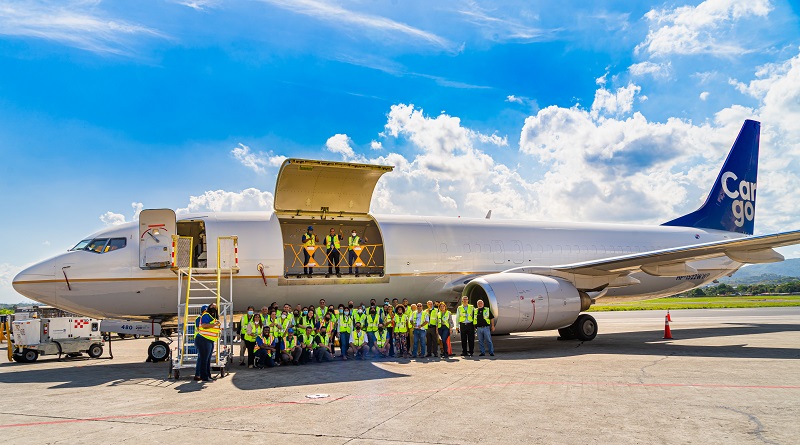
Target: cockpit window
[[81, 245], [101, 245]]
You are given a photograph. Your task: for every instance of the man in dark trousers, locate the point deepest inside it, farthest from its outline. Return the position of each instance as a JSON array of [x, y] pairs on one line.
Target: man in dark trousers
[[332, 245], [466, 315], [309, 240]]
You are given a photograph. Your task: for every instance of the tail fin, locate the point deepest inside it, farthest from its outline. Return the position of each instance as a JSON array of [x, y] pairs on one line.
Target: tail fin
[[731, 205]]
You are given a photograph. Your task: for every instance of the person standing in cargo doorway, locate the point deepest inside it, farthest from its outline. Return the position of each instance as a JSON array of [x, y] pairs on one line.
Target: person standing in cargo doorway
[[353, 241], [332, 246], [309, 240]]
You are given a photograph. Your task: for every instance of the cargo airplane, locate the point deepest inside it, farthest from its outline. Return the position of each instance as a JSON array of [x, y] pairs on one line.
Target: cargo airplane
[[533, 275]]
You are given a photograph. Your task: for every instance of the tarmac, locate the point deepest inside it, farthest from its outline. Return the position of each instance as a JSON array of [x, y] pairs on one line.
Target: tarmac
[[727, 376]]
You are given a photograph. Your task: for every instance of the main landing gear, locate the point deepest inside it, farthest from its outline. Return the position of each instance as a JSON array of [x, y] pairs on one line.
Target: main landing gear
[[584, 329]]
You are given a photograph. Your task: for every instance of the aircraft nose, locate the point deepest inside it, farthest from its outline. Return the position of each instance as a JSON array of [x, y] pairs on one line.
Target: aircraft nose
[[37, 282]]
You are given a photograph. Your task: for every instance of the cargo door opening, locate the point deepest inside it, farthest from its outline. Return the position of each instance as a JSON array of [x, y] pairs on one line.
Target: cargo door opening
[[304, 260], [196, 229]]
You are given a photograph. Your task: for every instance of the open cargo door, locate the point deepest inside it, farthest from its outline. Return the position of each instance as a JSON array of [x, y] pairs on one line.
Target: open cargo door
[[307, 187], [156, 227]]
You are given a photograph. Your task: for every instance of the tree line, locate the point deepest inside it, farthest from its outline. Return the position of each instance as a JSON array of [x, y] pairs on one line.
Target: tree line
[[746, 289]]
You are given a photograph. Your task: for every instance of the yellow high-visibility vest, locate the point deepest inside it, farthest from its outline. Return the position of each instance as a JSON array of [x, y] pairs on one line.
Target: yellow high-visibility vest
[[434, 318], [332, 239], [290, 343], [372, 322], [444, 319], [353, 241], [486, 314], [211, 333], [359, 338], [256, 332], [308, 239], [465, 314], [345, 323], [380, 338], [401, 323]]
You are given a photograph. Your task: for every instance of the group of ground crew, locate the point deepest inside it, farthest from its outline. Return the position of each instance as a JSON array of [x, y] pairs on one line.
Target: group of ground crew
[[332, 243], [287, 336]]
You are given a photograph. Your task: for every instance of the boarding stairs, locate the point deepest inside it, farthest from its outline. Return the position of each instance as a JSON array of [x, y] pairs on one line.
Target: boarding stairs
[[198, 287]]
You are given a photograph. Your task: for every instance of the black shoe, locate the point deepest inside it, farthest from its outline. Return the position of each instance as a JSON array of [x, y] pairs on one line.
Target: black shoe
[[492, 354], [327, 275], [481, 355], [470, 354], [338, 275]]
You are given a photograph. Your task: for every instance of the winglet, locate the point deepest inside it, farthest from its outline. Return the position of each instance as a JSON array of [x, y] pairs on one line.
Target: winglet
[[731, 205]]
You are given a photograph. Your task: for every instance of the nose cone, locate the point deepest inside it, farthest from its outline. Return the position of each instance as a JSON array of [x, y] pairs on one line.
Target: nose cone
[[37, 282]]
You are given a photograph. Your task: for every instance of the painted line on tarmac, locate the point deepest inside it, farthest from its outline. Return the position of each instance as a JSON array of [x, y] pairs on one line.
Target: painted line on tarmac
[[394, 394]]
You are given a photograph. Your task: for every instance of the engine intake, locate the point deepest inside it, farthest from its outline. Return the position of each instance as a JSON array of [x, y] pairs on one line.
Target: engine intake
[[524, 302]]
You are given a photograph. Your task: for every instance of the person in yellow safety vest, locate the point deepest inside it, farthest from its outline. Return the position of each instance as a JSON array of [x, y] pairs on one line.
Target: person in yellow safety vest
[[322, 350], [309, 240], [444, 329], [306, 319], [400, 332], [283, 324], [291, 350], [484, 322], [272, 322], [353, 241], [321, 310], [307, 345], [381, 346], [420, 323], [373, 319], [207, 335], [432, 333], [266, 345], [388, 322], [360, 316], [466, 326], [332, 246], [358, 344], [252, 330], [412, 315], [243, 326], [345, 327]]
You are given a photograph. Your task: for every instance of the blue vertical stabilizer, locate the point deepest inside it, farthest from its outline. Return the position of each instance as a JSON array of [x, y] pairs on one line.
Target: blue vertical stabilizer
[[731, 205]]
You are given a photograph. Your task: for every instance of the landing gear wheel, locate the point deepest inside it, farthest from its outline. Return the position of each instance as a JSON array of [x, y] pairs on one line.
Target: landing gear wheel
[[158, 351], [96, 350], [585, 327], [137, 336], [222, 372], [122, 336], [30, 355], [106, 336], [177, 374], [567, 333]]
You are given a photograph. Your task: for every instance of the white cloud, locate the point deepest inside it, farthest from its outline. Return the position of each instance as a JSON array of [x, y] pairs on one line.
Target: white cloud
[[657, 70], [701, 29], [495, 28], [340, 143], [199, 5], [376, 145], [250, 199], [349, 19], [615, 104], [112, 219], [7, 292], [258, 162], [137, 209], [704, 95], [514, 99], [75, 23]]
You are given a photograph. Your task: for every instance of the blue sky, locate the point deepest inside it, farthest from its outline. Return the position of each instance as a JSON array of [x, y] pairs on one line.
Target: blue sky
[[608, 111]]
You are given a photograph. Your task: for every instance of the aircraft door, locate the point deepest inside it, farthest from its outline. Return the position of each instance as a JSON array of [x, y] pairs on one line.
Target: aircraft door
[[156, 227]]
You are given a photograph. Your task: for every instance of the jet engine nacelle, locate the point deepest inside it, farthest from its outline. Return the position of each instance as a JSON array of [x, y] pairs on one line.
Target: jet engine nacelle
[[523, 302]]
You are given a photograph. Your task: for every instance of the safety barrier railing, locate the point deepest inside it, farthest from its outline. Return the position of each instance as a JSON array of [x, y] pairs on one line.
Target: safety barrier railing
[[365, 256]]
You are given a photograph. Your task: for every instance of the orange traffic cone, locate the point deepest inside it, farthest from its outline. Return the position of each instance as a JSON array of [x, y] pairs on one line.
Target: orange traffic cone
[[667, 331]]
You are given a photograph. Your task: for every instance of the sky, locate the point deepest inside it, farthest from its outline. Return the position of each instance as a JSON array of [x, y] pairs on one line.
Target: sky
[[602, 111]]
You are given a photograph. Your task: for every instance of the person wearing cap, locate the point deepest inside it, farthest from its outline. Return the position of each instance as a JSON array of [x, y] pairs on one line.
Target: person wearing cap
[[291, 350], [207, 335], [332, 246], [309, 240], [353, 241], [358, 343], [196, 329]]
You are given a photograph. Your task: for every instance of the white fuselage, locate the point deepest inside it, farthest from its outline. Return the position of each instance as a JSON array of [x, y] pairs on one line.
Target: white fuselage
[[425, 258]]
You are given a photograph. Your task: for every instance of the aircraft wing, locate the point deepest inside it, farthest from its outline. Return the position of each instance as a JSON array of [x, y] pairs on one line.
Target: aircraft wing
[[751, 249], [615, 271]]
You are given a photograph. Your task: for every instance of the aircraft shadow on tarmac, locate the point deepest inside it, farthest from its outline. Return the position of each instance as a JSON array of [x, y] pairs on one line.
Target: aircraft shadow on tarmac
[[512, 347]]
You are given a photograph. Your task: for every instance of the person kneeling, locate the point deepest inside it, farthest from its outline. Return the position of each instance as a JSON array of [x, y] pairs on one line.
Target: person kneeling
[[265, 350], [322, 350], [291, 351], [358, 343], [381, 346]]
